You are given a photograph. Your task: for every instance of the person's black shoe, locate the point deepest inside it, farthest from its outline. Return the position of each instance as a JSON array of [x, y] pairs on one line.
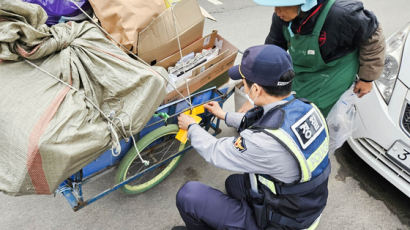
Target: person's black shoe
[[179, 228]]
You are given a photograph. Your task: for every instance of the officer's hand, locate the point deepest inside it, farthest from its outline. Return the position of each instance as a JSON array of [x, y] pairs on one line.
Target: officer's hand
[[362, 88], [184, 121], [245, 107], [214, 108]]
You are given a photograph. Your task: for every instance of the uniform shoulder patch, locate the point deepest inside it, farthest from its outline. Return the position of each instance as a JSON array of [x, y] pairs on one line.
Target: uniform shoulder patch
[[239, 144]]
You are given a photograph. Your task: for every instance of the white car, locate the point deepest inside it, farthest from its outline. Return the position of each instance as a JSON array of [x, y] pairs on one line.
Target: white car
[[382, 136]]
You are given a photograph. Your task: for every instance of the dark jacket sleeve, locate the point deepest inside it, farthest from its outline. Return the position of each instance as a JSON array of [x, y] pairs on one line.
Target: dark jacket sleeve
[[368, 38], [372, 57], [275, 36]]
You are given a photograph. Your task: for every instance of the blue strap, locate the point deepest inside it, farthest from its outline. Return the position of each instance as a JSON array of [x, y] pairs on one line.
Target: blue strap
[[289, 98], [304, 187], [288, 222], [290, 30]]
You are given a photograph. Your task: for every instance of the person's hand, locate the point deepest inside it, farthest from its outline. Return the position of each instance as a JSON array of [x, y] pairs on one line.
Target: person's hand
[[214, 108], [245, 107], [184, 121], [362, 88]]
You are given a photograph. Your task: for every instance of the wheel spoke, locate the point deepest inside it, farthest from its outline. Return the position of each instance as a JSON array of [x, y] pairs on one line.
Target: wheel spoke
[[167, 148], [165, 152]]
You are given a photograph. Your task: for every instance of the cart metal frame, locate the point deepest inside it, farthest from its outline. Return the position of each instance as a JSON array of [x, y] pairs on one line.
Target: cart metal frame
[[72, 188]]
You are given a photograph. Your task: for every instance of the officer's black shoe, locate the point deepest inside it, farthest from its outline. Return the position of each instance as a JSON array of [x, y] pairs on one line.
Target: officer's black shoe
[[179, 228]]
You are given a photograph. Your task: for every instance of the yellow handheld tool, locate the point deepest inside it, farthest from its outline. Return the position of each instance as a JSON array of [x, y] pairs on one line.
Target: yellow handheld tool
[[182, 135]]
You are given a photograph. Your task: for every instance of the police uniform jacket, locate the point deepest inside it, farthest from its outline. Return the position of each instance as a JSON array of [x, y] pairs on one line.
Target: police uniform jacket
[[251, 152]]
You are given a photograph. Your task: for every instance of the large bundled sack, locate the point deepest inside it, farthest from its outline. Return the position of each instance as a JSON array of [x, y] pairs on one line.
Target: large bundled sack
[[124, 19], [50, 129]]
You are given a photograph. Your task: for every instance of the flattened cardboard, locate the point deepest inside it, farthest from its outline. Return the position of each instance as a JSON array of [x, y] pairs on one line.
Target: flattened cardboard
[[159, 39], [203, 43]]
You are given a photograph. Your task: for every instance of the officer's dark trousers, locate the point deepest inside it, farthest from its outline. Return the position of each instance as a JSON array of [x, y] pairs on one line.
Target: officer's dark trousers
[[202, 207]]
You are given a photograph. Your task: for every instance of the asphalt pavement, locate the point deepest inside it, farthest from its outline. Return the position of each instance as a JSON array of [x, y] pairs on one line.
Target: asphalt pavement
[[358, 197]]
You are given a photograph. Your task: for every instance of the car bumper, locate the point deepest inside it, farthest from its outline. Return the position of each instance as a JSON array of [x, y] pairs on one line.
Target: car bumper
[[379, 127], [375, 156]]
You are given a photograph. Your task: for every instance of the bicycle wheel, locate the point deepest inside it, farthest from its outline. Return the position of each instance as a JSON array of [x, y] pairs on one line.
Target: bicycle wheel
[[156, 146]]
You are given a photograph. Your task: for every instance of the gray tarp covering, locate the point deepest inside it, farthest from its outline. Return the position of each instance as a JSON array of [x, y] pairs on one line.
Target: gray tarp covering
[[49, 131]]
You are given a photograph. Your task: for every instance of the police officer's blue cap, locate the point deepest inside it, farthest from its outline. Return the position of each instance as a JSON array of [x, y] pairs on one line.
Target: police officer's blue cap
[[263, 65]]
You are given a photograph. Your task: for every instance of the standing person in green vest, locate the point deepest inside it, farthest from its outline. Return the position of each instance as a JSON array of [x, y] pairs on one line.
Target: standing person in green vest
[[332, 43]]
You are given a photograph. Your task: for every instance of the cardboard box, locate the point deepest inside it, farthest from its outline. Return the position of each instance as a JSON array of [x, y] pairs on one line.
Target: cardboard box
[[124, 19], [206, 72], [159, 39]]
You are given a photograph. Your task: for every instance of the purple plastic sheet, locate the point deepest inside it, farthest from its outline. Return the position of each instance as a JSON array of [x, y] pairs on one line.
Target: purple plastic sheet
[[58, 8]]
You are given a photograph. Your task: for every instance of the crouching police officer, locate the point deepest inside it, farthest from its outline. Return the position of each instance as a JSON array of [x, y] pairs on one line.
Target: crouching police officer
[[282, 148]]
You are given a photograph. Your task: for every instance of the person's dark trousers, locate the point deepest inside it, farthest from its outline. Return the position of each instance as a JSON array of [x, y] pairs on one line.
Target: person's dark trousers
[[235, 186], [203, 208]]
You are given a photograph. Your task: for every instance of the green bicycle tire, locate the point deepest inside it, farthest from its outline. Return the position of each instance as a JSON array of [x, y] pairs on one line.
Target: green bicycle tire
[[131, 155]]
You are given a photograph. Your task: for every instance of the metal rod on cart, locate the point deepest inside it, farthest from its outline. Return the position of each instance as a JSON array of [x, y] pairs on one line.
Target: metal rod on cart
[[70, 197], [177, 114], [132, 178], [77, 202]]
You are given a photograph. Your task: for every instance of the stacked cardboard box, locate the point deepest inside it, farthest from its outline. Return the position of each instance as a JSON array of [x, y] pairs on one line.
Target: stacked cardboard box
[[160, 38], [181, 27], [206, 72], [158, 44]]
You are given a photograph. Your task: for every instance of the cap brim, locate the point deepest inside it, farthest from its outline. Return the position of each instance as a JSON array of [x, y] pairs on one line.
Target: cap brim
[[273, 3], [234, 74]]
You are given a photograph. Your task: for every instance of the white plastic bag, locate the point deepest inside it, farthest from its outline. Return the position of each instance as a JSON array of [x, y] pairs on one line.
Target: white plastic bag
[[340, 119]]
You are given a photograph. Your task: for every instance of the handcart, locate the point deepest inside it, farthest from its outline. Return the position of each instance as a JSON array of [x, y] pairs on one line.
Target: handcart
[[155, 144]]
